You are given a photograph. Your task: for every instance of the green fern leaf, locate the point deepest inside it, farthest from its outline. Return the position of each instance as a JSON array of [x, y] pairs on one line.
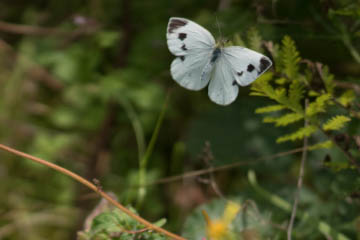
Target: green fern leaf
[[298, 135], [262, 87], [254, 40], [284, 120], [290, 58], [270, 108], [336, 123], [346, 98], [296, 93], [238, 40], [325, 144], [318, 105], [328, 80], [288, 118], [281, 81], [269, 119]]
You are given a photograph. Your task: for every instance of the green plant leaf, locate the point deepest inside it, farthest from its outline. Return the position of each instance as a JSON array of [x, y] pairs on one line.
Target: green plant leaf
[[270, 108], [290, 58], [318, 105], [336, 123], [298, 135]]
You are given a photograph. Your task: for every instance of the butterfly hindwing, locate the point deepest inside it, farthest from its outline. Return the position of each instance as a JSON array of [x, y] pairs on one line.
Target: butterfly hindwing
[[246, 64], [188, 70], [222, 88], [193, 45]]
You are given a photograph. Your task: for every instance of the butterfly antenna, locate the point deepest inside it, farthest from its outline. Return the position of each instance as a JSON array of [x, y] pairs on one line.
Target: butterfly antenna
[[218, 25]]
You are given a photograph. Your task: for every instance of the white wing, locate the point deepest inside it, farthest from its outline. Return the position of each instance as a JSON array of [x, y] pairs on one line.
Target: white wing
[[193, 46], [246, 64], [222, 89]]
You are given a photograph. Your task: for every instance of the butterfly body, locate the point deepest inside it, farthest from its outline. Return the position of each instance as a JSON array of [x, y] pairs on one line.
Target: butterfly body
[[200, 61], [215, 55]]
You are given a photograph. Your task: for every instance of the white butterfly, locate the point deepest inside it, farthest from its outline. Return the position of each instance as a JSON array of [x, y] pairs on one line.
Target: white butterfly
[[199, 60]]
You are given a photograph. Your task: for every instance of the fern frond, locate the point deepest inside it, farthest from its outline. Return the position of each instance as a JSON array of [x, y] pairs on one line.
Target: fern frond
[[262, 87], [290, 58], [254, 40], [280, 96], [346, 98], [270, 108], [269, 119], [299, 134], [284, 120], [296, 93], [288, 118], [281, 81], [336, 123], [325, 144], [318, 105], [238, 40], [328, 80]]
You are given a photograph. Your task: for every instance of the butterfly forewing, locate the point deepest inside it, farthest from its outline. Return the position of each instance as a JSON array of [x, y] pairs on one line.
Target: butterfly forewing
[[184, 35], [246, 64], [193, 46]]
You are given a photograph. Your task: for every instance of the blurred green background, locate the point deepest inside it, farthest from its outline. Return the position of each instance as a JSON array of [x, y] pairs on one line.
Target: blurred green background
[[83, 84]]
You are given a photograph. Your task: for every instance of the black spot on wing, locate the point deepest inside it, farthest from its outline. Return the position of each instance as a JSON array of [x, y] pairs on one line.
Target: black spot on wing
[[250, 68], [182, 58], [175, 24], [234, 83], [182, 36], [240, 73], [183, 47], [264, 64]]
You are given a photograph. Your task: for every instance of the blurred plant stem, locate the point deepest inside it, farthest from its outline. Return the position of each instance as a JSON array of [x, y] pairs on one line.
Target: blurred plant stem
[[149, 150], [300, 178], [353, 51], [136, 124]]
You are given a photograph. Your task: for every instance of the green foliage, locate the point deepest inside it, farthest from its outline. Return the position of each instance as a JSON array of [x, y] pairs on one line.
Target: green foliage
[[296, 94], [249, 219], [85, 90], [346, 98], [325, 144], [290, 92], [116, 225], [328, 80], [298, 135], [270, 108], [319, 105], [290, 58], [285, 119], [254, 40], [336, 123]]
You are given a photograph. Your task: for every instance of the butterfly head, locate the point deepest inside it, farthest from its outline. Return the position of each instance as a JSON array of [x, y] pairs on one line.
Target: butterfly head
[[223, 42]]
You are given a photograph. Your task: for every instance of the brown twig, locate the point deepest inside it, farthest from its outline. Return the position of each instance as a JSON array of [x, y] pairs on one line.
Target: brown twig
[[300, 179], [44, 31], [221, 168], [208, 158], [92, 187], [349, 85]]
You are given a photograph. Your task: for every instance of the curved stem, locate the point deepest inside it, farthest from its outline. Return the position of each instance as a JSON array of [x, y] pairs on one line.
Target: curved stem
[[92, 187]]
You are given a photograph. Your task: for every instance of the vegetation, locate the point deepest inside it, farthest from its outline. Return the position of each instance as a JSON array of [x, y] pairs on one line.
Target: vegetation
[[86, 86]]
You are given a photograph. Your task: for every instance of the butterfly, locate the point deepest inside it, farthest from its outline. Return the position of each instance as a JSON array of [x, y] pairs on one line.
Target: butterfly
[[200, 61]]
